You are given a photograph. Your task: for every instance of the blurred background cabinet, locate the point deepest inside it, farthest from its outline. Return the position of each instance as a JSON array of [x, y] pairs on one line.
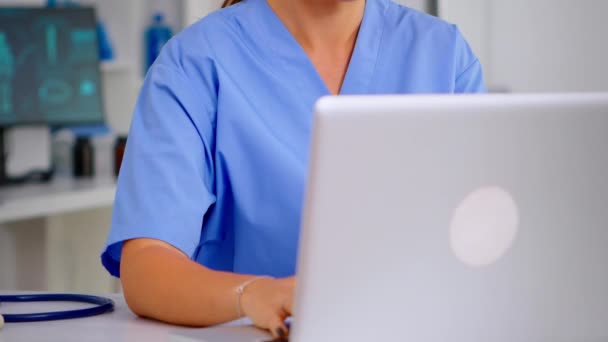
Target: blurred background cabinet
[[51, 237], [524, 46]]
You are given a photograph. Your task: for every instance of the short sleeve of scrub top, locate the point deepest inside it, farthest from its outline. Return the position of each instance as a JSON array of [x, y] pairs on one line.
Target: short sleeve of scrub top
[[218, 147]]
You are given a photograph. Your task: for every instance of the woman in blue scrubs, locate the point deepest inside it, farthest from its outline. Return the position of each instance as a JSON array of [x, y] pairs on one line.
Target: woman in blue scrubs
[[208, 208]]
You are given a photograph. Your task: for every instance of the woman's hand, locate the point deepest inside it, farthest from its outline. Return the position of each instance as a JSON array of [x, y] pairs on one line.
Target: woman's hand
[[268, 302]]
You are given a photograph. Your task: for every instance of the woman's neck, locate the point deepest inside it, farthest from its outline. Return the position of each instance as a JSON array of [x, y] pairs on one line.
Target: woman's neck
[[321, 24]]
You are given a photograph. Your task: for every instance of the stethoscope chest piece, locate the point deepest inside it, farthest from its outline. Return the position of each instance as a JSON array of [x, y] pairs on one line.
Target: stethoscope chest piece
[[100, 306]]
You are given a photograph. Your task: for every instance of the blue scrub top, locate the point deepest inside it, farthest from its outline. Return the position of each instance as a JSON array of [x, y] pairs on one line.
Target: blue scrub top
[[217, 155]]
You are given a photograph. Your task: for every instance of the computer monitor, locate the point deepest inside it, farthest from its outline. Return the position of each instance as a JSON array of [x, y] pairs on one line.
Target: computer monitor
[[49, 67]]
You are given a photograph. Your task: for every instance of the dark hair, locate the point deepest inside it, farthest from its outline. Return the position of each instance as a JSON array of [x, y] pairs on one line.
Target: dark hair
[[230, 3]]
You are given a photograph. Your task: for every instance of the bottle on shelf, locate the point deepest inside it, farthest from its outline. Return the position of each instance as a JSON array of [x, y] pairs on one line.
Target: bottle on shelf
[[84, 158], [157, 35]]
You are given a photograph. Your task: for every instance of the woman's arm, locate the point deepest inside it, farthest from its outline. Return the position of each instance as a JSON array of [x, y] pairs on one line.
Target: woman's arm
[[162, 283]]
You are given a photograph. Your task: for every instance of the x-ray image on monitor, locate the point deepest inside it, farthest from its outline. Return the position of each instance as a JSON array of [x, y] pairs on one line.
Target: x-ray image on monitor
[[49, 66]]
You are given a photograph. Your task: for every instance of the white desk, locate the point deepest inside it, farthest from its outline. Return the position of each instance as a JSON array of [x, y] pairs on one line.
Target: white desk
[[119, 326], [51, 235]]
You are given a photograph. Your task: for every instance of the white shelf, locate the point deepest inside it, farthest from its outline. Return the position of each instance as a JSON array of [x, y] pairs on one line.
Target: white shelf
[[58, 197]]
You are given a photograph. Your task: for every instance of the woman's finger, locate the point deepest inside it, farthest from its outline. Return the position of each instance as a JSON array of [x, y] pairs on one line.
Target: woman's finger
[[288, 306], [288, 301], [278, 329]]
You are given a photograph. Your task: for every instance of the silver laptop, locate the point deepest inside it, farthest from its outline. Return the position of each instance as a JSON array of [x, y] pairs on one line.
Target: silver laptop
[[459, 218]]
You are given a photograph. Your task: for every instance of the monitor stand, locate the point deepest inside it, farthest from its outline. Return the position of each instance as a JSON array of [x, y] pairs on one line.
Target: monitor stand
[[25, 155]]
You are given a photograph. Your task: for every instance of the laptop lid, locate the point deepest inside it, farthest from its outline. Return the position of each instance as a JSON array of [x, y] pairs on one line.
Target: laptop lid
[[460, 218]]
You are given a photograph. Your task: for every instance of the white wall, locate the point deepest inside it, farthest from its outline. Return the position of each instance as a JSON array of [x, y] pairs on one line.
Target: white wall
[[471, 18], [418, 4], [560, 44], [538, 45], [196, 9]]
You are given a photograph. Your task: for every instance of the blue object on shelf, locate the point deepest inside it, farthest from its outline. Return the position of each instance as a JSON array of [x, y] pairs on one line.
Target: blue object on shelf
[[64, 3], [90, 130], [157, 35], [106, 51]]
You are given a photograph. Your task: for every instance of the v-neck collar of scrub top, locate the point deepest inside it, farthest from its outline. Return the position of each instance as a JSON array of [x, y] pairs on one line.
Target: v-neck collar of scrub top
[[281, 45]]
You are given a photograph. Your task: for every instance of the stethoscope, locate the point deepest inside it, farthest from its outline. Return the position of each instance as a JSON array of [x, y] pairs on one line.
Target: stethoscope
[[101, 306]]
